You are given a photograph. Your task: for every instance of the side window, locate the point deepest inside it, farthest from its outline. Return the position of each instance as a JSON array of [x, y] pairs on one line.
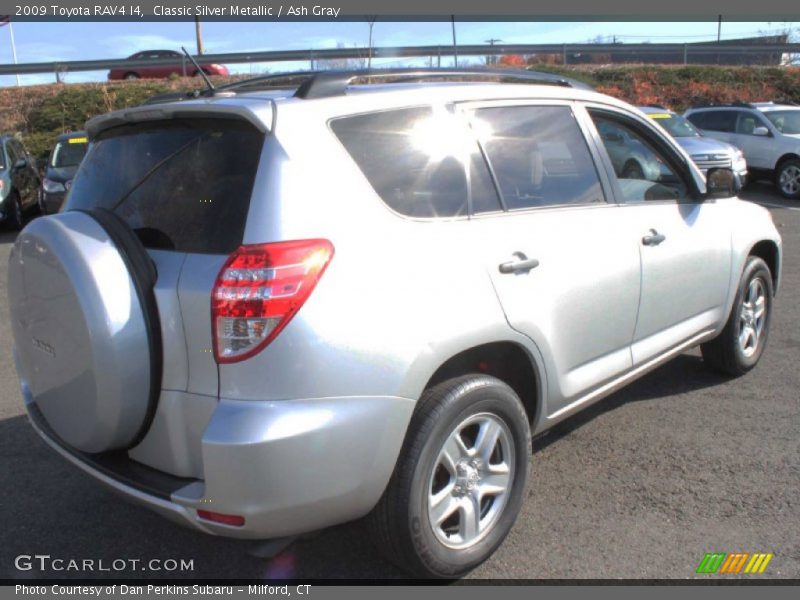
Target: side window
[[643, 170], [539, 156], [422, 162], [715, 120], [12, 152], [746, 122]]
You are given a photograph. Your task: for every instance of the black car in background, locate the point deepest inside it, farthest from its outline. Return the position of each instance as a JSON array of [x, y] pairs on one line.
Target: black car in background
[[67, 154], [19, 181]]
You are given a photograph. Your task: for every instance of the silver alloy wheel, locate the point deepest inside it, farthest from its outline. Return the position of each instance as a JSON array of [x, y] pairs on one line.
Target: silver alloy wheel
[[790, 180], [752, 317], [471, 480]]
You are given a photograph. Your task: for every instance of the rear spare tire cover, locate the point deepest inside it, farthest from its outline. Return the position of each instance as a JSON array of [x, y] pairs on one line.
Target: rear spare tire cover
[[83, 336]]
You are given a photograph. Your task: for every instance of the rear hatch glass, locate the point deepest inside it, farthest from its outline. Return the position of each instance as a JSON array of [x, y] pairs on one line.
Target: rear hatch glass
[[182, 184]]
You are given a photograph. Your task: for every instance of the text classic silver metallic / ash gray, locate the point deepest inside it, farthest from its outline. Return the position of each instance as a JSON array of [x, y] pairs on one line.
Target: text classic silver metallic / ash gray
[[264, 311]]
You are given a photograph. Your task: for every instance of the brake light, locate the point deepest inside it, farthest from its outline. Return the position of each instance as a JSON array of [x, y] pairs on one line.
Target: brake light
[[258, 291]]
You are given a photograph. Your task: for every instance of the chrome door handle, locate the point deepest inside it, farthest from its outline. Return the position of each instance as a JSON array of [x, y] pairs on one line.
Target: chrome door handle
[[521, 265], [653, 238]]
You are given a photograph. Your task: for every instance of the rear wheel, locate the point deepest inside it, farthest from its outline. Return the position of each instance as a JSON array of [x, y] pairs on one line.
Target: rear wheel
[[787, 178], [740, 345], [459, 481], [131, 76]]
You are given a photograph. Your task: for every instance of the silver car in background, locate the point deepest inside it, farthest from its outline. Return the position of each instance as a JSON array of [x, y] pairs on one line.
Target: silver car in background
[[705, 151], [266, 311]]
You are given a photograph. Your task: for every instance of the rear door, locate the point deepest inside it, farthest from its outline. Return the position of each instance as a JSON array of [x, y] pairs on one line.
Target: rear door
[[565, 274], [184, 187], [684, 243], [719, 124]]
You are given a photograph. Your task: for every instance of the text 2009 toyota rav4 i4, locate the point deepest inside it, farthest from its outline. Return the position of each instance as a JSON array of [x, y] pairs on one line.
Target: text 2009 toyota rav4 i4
[[263, 312]]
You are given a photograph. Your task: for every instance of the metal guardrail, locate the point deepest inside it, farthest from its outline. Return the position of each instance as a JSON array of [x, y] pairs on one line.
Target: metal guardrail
[[564, 50]]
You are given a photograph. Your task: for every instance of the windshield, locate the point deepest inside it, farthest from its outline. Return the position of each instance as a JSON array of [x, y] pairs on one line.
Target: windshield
[[68, 153], [785, 121], [675, 125]]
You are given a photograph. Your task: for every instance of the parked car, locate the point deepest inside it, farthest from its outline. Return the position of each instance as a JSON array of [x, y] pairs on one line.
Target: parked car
[[64, 159], [19, 181], [181, 66], [264, 312], [768, 134], [705, 151]]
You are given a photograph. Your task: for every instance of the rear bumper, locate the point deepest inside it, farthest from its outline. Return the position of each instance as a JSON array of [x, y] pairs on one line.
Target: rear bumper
[[287, 467]]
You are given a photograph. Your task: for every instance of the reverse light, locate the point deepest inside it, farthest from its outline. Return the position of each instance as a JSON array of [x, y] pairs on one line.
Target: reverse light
[[232, 520], [258, 291]]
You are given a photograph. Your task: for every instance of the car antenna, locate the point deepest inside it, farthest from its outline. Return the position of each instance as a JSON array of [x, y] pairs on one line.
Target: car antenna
[[199, 71]]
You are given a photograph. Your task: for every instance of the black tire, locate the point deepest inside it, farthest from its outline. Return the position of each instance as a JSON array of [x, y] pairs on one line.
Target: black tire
[[16, 217], [399, 524], [131, 76], [633, 170], [725, 353], [791, 170]]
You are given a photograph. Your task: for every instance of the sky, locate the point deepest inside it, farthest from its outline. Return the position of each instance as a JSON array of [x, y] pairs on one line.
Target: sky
[[62, 41]]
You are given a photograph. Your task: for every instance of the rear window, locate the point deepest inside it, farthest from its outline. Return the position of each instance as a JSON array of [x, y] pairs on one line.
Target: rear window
[[182, 185], [423, 162]]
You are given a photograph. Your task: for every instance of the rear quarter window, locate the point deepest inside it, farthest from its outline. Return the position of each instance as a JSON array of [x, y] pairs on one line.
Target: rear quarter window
[[183, 184], [423, 162]]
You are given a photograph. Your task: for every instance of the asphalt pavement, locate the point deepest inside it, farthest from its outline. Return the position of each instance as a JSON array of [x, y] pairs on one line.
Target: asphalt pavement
[[641, 485]]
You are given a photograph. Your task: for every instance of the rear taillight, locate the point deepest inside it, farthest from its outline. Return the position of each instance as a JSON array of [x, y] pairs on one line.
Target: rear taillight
[[258, 291]]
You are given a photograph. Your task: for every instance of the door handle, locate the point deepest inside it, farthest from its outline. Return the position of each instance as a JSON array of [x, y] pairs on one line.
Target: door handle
[[521, 265], [653, 238]]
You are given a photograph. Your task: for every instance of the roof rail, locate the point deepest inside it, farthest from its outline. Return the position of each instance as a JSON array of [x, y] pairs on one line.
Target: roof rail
[[324, 84], [786, 102], [736, 104]]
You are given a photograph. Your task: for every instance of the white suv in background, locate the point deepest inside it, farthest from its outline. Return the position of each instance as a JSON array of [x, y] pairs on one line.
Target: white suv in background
[[767, 132]]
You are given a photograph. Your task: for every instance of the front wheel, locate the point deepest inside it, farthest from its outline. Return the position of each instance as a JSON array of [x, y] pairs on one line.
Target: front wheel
[[740, 345], [459, 481], [787, 178]]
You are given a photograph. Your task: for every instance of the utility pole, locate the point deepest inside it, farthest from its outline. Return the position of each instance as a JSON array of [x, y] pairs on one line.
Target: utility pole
[[198, 34], [492, 59], [719, 28], [371, 23], [455, 47]]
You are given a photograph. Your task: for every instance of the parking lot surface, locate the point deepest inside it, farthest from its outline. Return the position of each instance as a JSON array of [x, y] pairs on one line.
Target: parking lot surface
[[641, 485]]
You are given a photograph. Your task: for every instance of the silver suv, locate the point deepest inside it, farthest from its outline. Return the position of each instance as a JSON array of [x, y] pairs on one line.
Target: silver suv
[[768, 134], [263, 312]]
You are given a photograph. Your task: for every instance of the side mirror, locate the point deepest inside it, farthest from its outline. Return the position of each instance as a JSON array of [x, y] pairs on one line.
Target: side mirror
[[761, 130], [21, 163], [722, 183]]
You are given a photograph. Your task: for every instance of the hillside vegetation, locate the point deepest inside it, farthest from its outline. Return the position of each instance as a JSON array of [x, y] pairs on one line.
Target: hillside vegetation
[[36, 114]]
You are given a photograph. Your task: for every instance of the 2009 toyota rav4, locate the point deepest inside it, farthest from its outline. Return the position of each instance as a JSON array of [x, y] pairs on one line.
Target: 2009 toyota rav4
[[263, 312]]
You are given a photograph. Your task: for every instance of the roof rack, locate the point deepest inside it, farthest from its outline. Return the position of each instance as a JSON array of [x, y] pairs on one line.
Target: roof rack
[[324, 84], [786, 102]]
